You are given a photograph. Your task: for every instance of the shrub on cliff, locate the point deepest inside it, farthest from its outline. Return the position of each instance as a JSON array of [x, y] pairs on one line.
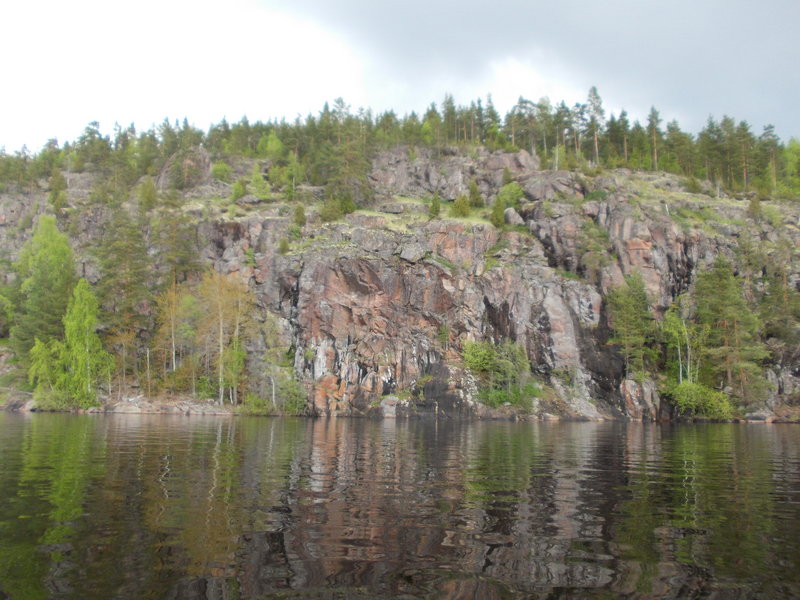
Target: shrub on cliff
[[435, 208], [221, 171], [502, 371], [696, 399], [460, 208]]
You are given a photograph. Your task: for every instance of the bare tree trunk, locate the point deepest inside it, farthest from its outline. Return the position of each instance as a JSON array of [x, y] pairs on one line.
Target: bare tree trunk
[[149, 391], [220, 371]]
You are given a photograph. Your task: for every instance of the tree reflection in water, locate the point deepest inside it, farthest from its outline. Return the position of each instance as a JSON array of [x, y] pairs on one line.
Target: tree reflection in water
[[165, 507]]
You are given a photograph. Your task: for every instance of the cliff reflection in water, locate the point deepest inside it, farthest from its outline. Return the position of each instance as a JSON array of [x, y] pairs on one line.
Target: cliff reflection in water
[[163, 507]]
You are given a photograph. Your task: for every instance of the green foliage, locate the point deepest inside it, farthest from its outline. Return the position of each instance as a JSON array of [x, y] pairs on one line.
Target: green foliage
[[593, 246], [186, 169], [46, 271], [460, 208], [66, 373], [259, 184], [294, 398], [733, 350], [693, 185], [271, 147], [773, 215], [443, 336], [6, 315], [43, 360], [283, 246], [497, 216], [290, 399], [333, 148], [779, 308], [596, 196], [475, 198], [347, 205], [175, 240], [696, 399], [331, 210], [58, 190], [221, 171], [294, 232], [239, 190], [126, 268], [233, 359], [250, 257], [754, 208], [205, 387], [82, 361], [435, 208], [515, 396], [503, 372], [684, 339], [511, 194], [632, 324], [299, 217], [480, 357], [147, 195], [453, 268]]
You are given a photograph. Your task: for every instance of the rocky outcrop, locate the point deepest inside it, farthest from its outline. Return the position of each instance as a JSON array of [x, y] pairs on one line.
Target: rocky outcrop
[[378, 307], [419, 172]]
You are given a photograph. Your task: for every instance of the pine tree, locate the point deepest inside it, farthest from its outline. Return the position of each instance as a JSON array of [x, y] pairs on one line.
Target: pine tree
[[147, 195], [653, 121], [596, 117]]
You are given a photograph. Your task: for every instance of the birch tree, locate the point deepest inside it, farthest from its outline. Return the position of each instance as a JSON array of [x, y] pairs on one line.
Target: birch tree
[[228, 306]]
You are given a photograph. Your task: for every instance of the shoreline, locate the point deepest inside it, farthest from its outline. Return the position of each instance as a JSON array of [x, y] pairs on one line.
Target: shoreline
[[22, 402]]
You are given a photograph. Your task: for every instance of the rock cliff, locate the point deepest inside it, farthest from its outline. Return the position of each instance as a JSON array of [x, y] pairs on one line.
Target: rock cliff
[[377, 306]]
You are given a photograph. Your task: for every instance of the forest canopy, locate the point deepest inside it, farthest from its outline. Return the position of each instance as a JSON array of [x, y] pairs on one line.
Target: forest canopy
[[333, 148]]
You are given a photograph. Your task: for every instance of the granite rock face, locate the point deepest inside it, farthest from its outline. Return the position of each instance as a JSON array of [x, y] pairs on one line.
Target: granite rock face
[[378, 306], [421, 172]]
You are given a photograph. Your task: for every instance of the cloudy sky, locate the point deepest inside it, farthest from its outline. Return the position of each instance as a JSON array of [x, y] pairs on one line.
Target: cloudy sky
[[69, 63]]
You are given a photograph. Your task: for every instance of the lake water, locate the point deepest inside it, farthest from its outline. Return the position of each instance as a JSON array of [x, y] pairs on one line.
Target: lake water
[[129, 506]]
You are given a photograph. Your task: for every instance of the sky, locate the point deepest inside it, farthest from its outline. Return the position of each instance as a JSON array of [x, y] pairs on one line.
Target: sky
[[71, 63]]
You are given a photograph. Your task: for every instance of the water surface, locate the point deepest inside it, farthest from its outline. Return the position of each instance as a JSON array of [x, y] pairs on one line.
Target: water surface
[[130, 506]]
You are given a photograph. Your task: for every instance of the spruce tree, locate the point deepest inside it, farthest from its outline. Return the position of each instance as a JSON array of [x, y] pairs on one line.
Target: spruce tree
[[631, 323], [475, 199], [46, 271], [733, 348], [436, 206], [126, 268], [498, 212], [176, 244], [299, 215]]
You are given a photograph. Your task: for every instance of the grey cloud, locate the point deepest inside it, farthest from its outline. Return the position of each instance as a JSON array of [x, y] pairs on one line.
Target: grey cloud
[[689, 58]]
